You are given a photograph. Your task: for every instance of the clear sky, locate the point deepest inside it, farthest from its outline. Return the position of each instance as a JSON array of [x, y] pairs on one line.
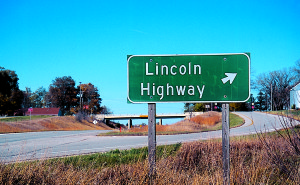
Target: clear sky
[[90, 40]]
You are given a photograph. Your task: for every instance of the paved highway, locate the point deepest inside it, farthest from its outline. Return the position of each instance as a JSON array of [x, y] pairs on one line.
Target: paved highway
[[39, 145]]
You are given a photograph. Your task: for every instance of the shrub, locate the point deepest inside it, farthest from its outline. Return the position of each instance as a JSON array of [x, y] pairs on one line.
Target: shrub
[[80, 116], [284, 153], [205, 119]]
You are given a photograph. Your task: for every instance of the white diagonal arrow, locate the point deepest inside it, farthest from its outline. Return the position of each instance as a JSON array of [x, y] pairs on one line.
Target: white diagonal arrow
[[230, 77]]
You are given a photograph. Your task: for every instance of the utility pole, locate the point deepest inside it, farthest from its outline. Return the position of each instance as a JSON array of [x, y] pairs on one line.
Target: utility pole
[[80, 97], [271, 97]]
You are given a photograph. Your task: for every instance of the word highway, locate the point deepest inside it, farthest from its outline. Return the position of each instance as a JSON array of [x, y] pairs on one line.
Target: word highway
[[151, 89]]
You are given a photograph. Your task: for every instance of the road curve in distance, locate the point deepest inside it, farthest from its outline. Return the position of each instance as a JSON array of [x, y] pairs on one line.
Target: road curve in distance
[[41, 145]]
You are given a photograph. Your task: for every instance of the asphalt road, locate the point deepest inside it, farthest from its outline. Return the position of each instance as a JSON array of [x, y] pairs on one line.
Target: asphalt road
[[40, 145]]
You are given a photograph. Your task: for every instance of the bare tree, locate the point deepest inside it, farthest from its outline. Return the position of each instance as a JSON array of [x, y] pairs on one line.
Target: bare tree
[[276, 85], [296, 71]]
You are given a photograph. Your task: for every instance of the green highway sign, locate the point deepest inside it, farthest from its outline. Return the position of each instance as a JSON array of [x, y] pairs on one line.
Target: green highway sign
[[188, 78]]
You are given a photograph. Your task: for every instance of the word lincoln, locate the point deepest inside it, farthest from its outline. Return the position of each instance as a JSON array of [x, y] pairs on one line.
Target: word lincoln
[[180, 90]]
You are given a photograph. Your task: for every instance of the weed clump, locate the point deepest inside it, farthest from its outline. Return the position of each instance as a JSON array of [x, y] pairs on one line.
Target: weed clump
[[80, 116]]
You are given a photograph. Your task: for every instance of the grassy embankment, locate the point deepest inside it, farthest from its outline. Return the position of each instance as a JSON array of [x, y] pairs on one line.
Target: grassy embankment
[[270, 161], [46, 123], [206, 122], [295, 114]]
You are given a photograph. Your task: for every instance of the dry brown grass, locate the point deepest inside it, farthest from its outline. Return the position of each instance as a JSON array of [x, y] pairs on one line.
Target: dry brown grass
[[195, 163], [49, 124], [195, 124], [208, 119], [182, 126]]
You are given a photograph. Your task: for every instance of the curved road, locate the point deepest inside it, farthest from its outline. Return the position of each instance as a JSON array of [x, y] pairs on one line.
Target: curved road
[[39, 145]]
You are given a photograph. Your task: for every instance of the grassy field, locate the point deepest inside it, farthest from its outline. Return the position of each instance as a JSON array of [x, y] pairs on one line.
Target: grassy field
[[295, 114], [23, 118], [252, 161], [116, 157]]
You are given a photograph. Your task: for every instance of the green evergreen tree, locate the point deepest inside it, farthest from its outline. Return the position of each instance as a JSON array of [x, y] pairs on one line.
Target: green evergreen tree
[[260, 103]]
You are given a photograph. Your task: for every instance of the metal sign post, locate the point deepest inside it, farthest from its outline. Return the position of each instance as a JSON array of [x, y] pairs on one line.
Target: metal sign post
[[152, 139], [225, 144]]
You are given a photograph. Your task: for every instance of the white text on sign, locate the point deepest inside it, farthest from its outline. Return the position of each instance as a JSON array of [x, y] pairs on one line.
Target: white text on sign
[[174, 70], [169, 89]]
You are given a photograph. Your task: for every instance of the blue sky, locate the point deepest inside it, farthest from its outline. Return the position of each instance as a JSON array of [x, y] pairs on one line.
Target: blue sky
[[90, 40]]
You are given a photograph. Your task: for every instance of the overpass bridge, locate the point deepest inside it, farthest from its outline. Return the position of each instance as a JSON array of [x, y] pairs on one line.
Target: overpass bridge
[[130, 117]]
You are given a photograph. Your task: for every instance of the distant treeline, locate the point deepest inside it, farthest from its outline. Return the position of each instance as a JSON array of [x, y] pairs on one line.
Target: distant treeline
[[62, 93]]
